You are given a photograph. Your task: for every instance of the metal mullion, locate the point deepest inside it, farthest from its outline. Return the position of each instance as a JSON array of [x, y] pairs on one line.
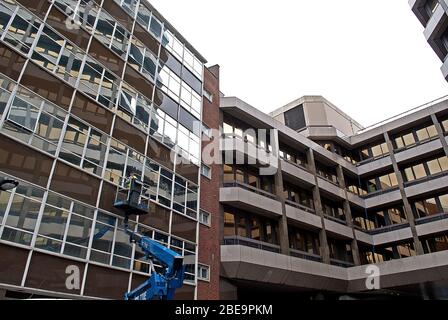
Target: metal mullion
[[9, 103], [39, 218], [94, 223], [113, 242], [64, 238], [8, 208], [14, 13], [84, 151]]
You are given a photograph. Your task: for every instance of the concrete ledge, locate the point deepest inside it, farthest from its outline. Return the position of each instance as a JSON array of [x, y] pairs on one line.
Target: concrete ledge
[[420, 150], [245, 199], [427, 186], [374, 165], [392, 236], [383, 198], [432, 227], [303, 217], [331, 188], [338, 229], [297, 172]]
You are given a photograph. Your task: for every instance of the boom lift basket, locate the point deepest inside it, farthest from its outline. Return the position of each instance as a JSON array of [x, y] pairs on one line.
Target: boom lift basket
[[130, 198]]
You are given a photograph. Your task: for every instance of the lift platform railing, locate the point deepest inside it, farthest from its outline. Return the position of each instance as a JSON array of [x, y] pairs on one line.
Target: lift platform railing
[[132, 197]]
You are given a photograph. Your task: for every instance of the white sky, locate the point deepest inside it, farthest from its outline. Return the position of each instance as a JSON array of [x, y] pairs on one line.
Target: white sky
[[369, 58]]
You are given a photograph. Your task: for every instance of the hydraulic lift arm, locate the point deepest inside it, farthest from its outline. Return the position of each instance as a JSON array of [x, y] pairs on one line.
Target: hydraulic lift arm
[[160, 285]]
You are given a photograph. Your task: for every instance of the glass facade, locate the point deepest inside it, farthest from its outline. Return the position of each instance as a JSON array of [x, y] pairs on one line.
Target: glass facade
[[99, 90]]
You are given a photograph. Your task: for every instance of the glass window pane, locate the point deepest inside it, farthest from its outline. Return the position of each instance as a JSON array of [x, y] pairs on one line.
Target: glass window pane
[[431, 206], [53, 223], [443, 161], [434, 166], [419, 171], [79, 230], [409, 139], [444, 202], [432, 131], [103, 237], [23, 213], [422, 134], [23, 114]]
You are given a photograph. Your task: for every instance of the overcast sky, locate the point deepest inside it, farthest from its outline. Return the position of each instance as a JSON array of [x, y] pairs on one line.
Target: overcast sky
[[369, 58]]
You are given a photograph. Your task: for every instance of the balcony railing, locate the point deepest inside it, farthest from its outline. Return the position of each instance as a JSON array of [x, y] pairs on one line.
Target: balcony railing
[[432, 218], [388, 228], [300, 206], [303, 167], [305, 255], [237, 184], [341, 263], [379, 192], [237, 240], [418, 143], [329, 217], [424, 179]]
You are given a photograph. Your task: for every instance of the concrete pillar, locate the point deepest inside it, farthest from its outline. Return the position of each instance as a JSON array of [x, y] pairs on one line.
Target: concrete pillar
[[406, 204], [348, 216], [440, 133], [278, 182], [324, 248]]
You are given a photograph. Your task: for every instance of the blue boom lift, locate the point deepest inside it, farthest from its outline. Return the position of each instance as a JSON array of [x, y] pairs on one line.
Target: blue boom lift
[[160, 285]]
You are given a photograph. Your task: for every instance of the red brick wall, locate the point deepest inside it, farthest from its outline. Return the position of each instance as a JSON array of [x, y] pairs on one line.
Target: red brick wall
[[209, 240]]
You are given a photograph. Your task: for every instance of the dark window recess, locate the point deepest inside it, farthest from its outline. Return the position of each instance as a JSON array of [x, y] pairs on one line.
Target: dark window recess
[[137, 81], [183, 227], [192, 81], [75, 184], [49, 273], [151, 43], [106, 282], [159, 153], [166, 103], [188, 171], [56, 19], [129, 135], [189, 121], [38, 7], [170, 61], [47, 86], [23, 162], [99, 52], [90, 111], [13, 264], [295, 118], [10, 62], [158, 217]]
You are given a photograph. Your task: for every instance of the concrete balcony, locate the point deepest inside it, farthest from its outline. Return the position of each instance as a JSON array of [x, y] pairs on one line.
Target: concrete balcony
[[422, 149], [393, 236], [382, 198], [431, 267], [337, 229], [430, 184], [374, 165], [433, 224], [251, 199], [297, 172], [251, 264], [355, 199], [303, 216], [331, 188]]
